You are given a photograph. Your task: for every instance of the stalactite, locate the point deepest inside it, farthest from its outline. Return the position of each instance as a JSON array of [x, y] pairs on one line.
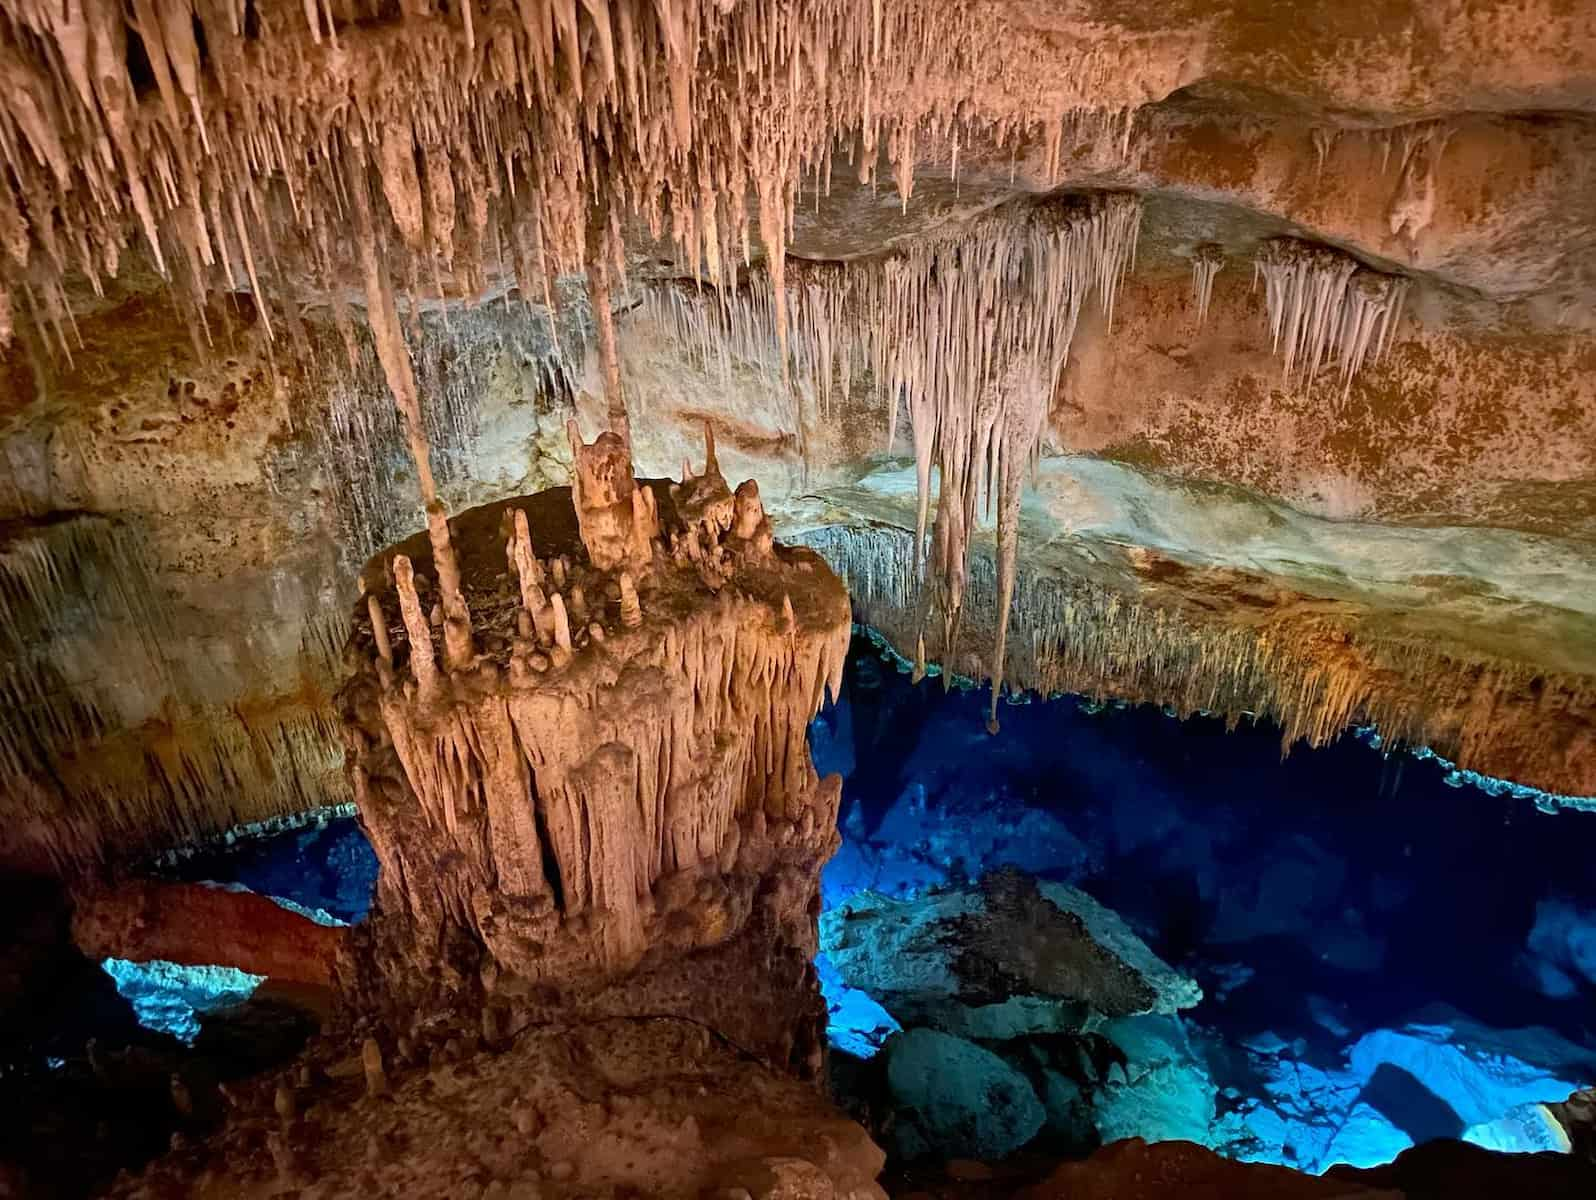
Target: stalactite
[[944, 329], [598, 284], [1312, 672], [360, 443], [1321, 302], [671, 114], [392, 352], [1206, 262]]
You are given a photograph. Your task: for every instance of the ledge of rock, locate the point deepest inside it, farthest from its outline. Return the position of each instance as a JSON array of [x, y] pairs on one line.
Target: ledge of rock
[[202, 925]]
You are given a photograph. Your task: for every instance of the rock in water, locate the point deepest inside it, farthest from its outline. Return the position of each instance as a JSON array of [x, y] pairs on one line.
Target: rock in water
[[1010, 957], [957, 1099]]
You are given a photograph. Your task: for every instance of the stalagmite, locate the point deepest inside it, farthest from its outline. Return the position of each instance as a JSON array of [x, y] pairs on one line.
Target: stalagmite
[[284, 1160], [182, 1098], [419, 633], [283, 1102], [603, 491], [457, 652], [631, 607], [574, 806], [371, 1063], [562, 623], [379, 629], [529, 571]]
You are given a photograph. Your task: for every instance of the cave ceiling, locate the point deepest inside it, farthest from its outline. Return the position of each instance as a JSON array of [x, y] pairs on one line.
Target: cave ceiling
[[234, 234]]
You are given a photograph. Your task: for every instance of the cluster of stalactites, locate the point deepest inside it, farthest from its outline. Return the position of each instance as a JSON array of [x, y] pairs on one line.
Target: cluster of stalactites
[[1311, 672], [1321, 304], [73, 592], [513, 138], [1207, 260], [83, 628], [967, 331]]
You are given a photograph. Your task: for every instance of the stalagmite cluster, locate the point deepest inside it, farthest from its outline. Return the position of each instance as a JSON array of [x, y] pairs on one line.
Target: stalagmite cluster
[[1321, 303], [605, 758]]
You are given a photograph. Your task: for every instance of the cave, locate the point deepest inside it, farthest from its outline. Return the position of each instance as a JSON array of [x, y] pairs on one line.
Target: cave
[[835, 599], [1313, 961]]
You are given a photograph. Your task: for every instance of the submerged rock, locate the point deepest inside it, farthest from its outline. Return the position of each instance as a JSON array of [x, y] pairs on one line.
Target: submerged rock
[[1479, 1072], [1560, 953], [1163, 1091], [1010, 957], [956, 1099]]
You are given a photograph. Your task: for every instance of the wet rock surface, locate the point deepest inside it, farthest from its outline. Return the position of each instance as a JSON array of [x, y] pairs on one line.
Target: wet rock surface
[[1009, 957], [956, 1099]]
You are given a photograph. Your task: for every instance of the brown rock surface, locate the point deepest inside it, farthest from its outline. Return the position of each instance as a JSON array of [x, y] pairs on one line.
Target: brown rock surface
[[1135, 1170], [201, 924], [656, 1107]]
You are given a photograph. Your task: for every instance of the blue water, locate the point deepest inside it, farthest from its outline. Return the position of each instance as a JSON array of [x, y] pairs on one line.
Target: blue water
[[1385, 956], [327, 868], [1323, 901]]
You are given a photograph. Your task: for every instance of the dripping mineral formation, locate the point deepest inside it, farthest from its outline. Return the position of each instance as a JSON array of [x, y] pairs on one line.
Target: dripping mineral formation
[[1196, 357], [250, 338], [578, 743]]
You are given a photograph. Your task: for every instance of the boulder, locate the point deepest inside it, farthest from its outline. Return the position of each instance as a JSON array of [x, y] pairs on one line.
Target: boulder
[[957, 1099], [1560, 953], [1009, 957], [1163, 1090]]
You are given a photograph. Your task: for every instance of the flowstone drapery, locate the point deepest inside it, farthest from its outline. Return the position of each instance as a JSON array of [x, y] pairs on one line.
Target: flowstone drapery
[[603, 768]]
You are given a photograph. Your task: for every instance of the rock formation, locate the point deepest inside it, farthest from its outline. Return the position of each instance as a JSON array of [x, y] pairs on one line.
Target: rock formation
[[660, 1108], [252, 338], [1208, 359], [200, 925], [596, 770], [1008, 958]]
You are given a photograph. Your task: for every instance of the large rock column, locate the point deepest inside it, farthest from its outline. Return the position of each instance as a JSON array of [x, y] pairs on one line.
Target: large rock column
[[577, 732]]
